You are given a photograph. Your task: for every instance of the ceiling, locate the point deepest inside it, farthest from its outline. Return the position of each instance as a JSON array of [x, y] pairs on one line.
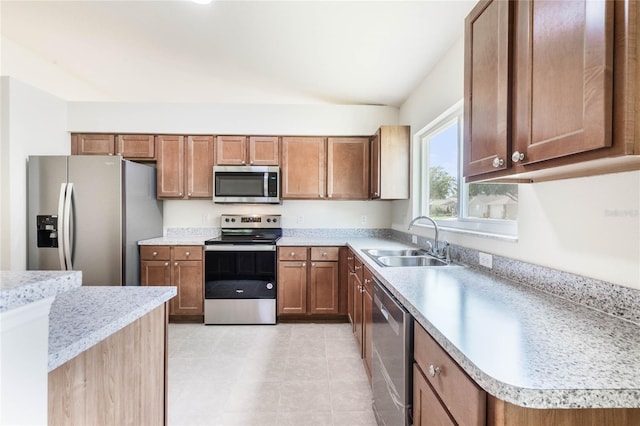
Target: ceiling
[[335, 52]]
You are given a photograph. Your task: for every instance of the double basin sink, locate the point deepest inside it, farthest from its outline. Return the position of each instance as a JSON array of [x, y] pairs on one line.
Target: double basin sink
[[404, 257]]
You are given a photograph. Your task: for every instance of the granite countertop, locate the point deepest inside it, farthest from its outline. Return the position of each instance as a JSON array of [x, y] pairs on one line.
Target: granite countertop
[[519, 344], [83, 317], [19, 288], [190, 240]]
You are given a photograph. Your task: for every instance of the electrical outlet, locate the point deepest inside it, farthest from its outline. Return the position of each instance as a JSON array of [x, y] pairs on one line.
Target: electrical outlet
[[485, 260], [363, 219], [414, 239], [300, 220]]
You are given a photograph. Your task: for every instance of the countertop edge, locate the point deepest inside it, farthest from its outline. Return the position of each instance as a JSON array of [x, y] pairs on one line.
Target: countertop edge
[[23, 295], [69, 352]]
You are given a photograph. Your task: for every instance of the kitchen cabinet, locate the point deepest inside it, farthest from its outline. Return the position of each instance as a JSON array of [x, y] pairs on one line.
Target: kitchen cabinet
[[367, 320], [308, 281], [248, 150], [134, 147], [434, 370], [389, 169], [351, 278], [361, 308], [545, 100], [179, 266], [348, 168], [321, 168], [185, 166]]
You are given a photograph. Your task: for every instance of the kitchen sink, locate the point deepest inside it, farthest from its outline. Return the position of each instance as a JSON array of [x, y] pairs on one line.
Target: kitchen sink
[[404, 257], [410, 261], [398, 252]]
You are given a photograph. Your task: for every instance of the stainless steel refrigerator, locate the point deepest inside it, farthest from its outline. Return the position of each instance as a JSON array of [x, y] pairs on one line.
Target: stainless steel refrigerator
[[87, 213]]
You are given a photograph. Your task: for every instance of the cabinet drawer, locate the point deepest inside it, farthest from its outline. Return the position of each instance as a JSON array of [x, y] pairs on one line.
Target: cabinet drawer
[[187, 253], [155, 253], [357, 266], [292, 253], [427, 409], [324, 253], [464, 399]]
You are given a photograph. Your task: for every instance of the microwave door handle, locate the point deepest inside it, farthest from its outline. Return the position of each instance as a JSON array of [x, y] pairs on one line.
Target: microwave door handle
[[266, 184]]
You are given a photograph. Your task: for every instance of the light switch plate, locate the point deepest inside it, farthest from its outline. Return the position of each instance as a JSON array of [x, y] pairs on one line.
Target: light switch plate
[[414, 239], [485, 260]]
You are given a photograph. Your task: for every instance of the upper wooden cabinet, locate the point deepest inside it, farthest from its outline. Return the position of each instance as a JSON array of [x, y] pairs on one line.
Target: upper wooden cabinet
[[185, 166], [390, 163], [136, 147], [550, 89], [348, 168], [319, 168], [251, 150]]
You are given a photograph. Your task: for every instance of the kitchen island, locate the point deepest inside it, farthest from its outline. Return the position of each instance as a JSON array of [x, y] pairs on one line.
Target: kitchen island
[[526, 348]]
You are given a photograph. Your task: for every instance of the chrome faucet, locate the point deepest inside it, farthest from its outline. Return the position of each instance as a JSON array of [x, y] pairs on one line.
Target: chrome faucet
[[436, 249]]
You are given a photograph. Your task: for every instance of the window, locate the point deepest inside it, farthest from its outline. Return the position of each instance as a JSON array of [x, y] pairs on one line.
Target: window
[[487, 208]]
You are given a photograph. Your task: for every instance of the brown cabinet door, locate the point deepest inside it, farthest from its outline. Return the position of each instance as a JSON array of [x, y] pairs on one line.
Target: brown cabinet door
[[82, 144], [351, 279], [367, 319], [200, 160], [487, 108], [188, 277], [136, 146], [427, 410], [357, 312], [155, 272], [303, 167], [170, 154], [374, 190], [231, 150], [323, 286], [264, 150], [563, 78], [292, 287], [348, 168]]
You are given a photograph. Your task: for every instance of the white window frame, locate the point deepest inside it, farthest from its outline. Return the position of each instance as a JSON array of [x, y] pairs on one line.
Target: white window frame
[[503, 229]]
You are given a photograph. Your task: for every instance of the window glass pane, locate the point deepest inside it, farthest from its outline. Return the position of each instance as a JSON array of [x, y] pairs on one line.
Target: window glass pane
[[492, 201], [443, 172]]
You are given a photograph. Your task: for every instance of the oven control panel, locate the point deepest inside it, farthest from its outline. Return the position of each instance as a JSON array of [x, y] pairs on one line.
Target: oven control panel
[[250, 221]]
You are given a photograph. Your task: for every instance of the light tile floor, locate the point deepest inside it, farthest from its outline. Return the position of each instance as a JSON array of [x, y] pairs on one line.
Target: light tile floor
[[285, 374]]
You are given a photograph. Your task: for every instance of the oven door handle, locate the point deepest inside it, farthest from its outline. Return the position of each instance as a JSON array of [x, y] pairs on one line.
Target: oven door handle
[[240, 247]]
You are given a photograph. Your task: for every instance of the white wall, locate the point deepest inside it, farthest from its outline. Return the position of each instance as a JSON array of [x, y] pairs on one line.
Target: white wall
[[33, 123], [587, 226]]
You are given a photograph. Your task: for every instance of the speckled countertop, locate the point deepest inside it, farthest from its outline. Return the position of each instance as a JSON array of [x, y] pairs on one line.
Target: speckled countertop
[[521, 345], [192, 240], [19, 288], [82, 317]]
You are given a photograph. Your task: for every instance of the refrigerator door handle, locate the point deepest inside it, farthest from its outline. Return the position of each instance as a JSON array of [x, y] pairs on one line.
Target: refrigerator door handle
[[60, 226], [67, 227]]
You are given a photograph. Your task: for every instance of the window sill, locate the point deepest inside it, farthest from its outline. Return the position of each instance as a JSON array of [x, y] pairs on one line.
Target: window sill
[[461, 227]]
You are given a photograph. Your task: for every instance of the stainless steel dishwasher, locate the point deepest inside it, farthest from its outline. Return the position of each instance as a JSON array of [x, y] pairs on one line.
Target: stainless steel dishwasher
[[392, 340]]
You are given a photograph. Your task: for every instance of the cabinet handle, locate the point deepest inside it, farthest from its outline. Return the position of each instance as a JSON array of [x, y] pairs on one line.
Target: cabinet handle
[[189, 194], [175, 264], [517, 156], [434, 370], [166, 263], [376, 194], [155, 253], [350, 258], [351, 273], [357, 267], [187, 254], [324, 254], [313, 263], [251, 162], [497, 162], [180, 194], [367, 280], [304, 263], [292, 254], [243, 162]]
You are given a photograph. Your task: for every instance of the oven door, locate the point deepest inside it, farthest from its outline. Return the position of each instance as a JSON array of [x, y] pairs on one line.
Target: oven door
[[240, 284]]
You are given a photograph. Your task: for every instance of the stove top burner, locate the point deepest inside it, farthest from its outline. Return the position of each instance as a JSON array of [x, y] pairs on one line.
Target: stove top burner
[[255, 229]]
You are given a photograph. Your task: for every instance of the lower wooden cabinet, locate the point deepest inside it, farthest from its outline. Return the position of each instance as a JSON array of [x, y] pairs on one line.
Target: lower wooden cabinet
[[361, 307], [308, 281], [427, 410], [179, 266]]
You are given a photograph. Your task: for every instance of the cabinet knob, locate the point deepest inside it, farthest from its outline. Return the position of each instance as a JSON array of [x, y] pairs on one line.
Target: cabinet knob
[[155, 253], [110, 153], [187, 254], [376, 194], [330, 195], [356, 267], [324, 254], [292, 254], [366, 280], [175, 264], [180, 194], [243, 162], [251, 162], [433, 370], [166, 263], [497, 162], [304, 263], [313, 263], [517, 156], [189, 194], [349, 257]]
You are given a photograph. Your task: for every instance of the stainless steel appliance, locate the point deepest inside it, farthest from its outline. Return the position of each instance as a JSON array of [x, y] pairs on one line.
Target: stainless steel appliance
[[87, 213], [246, 184], [240, 271], [392, 341]]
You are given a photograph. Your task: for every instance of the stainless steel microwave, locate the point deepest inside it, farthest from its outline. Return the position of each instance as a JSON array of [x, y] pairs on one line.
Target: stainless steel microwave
[[246, 184]]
